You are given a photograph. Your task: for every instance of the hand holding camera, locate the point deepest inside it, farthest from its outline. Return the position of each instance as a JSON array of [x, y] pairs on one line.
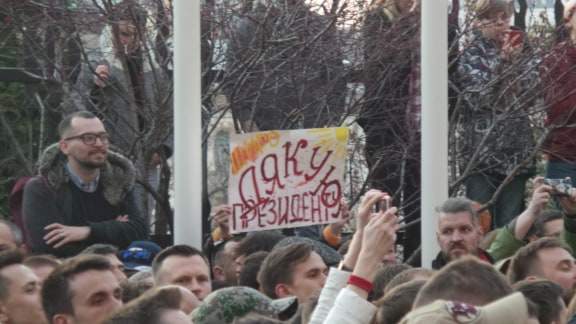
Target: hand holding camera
[[560, 187], [540, 196], [566, 193]]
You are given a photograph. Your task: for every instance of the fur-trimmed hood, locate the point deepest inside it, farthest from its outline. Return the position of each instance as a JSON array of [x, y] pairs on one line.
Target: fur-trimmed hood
[[117, 176]]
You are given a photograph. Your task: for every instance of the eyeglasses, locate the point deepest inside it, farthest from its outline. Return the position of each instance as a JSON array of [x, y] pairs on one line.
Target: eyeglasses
[[90, 138]]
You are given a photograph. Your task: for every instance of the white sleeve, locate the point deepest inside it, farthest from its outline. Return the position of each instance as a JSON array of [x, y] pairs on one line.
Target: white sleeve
[[350, 308], [337, 279]]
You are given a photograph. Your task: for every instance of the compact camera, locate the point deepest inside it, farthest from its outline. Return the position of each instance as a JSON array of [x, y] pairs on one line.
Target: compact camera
[[562, 187]]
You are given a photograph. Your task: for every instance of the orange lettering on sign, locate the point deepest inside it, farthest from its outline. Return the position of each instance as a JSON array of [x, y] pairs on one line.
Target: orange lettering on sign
[[250, 150]]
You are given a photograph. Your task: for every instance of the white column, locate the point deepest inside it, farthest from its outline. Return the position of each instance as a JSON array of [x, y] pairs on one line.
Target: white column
[[434, 120], [187, 124]]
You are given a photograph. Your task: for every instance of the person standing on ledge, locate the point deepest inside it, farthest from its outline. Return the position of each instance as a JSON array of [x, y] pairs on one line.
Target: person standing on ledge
[[83, 193]]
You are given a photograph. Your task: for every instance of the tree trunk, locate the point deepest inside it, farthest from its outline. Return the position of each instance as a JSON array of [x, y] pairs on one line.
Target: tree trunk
[[559, 13], [520, 14]]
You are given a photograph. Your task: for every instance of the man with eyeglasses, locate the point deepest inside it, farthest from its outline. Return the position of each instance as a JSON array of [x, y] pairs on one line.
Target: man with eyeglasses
[[83, 193]]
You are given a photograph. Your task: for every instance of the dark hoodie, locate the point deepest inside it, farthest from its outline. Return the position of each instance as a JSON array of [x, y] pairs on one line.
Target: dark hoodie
[[51, 197]]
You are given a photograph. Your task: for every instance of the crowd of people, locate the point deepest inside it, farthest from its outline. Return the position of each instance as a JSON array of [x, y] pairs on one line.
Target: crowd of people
[[83, 257], [80, 253]]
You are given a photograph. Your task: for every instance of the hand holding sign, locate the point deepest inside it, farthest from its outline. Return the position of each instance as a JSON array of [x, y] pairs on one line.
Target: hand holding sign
[[221, 217], [337, 227]]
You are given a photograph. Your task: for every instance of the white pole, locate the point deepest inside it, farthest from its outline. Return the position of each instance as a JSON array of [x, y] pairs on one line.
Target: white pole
[[187, 124], [434, 120]]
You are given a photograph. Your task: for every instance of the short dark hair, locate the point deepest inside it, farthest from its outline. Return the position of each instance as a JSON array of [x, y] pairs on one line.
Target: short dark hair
[[523, 263], [219, 255], [175, 250], [132, 289], [538, 229], [8, 258], [397, 303], [41, 261], [466, 280], [407, 276], [383, 277], [148, 308], [66, 123], [457, 205], [546, 294], [249, 275], [56, 294], [259, 241], [279, 264], [100, 249]]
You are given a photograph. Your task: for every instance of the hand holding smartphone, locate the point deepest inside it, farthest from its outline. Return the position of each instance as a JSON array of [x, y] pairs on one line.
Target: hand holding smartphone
[[515, 37], [382, 205], [513, 44]]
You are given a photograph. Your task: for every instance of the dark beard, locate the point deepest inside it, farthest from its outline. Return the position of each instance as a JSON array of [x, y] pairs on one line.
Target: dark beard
[[449, 258], [91, 165]]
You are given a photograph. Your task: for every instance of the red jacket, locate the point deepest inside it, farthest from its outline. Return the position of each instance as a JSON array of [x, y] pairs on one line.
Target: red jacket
[[559, 76]]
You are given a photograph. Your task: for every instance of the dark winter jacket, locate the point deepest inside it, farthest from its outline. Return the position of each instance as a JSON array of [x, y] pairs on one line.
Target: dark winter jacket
[[441, 261], [51, 197], [390, 53]]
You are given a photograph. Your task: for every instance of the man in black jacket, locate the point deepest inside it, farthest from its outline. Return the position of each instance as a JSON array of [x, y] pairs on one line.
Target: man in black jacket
[[458, 232], [83, 193]]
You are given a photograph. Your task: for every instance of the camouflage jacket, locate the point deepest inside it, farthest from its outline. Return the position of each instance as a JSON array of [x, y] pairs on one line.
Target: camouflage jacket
[[497, 100]]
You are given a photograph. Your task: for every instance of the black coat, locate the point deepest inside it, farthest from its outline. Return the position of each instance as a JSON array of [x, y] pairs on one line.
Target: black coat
[[52, 197]]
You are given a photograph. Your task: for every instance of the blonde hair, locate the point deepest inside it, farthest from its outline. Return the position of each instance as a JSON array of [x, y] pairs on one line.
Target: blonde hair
[[389, 7], [487, 9], [569, 9]]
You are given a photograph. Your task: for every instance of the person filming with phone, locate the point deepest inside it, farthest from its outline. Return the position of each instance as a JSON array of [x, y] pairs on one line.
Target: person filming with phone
[[495, 75]]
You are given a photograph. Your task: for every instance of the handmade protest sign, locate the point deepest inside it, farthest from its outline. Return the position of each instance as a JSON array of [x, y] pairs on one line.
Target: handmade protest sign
[[282, 179]]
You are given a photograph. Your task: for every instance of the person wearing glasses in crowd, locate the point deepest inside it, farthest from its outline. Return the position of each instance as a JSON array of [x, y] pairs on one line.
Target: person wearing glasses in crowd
[[83, 194]]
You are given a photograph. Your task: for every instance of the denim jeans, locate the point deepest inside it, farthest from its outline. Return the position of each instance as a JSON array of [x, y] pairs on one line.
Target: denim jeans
[[510, 202]]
